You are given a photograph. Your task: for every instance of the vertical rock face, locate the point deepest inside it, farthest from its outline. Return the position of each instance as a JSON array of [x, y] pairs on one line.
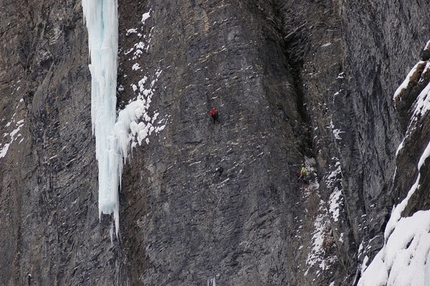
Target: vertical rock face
[[221, 197], [294, 83], [50, 228]]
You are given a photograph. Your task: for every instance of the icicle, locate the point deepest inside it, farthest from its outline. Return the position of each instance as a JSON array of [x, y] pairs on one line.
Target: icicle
[[111, 233], [211, 282]]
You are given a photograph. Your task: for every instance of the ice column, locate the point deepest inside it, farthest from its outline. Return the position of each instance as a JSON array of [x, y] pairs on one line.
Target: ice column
[[101, 18]]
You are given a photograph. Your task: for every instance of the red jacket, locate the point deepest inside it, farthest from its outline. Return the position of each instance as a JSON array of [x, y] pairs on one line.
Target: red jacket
[[213, 111]]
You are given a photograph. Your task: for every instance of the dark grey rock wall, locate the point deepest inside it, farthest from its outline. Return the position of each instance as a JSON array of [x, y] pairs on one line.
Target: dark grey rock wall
[[221, 197], [293, 82], [380, 55], [49, 218]]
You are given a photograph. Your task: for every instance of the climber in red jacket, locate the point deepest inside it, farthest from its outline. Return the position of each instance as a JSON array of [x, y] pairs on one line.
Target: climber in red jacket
[[214, 115]]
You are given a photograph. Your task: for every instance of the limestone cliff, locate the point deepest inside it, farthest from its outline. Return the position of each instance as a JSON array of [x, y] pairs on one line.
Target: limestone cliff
[[308, 83]]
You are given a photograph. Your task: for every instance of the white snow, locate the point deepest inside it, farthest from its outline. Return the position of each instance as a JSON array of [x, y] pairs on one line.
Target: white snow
[[405, 83], [142, 45], [400, 147], [14, 134], [145, 17], [341, 75], [422, 103], [427, 46], [402, 259], [131, 31], [327, 214], [317, 255], [136, 67], [335, 199], [134, 123], [4, 149], [336, 132]]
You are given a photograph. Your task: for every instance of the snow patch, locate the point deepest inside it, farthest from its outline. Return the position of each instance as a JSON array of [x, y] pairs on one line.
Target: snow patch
[[144, 40], [402, 259], [336, 132], [136, 67], [135, 124], [145, 17], [408, 78], [317, 255], [341, 75], [14, 134], [422, 103], [334, 204], [333, 182], [320, 253], [130, 31]]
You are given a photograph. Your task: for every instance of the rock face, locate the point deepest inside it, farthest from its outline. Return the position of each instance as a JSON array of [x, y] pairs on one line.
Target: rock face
[[294, 83], [50, 228]]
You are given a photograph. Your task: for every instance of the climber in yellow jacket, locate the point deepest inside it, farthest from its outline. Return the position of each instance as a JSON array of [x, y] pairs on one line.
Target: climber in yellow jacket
[[302, 174], [303, 171]]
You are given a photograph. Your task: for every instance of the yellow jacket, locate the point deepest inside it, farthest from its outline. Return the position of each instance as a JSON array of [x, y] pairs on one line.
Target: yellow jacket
[[303, 171]]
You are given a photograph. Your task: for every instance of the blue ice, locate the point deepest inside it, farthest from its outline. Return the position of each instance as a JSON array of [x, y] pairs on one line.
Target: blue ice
[[101, 18]]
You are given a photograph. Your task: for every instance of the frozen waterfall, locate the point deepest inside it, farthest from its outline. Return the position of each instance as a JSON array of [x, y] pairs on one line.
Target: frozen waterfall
[[101, 18], [116, 131]]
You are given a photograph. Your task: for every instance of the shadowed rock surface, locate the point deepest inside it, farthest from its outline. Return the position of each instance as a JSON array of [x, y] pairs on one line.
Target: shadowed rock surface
[[295, 83]]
